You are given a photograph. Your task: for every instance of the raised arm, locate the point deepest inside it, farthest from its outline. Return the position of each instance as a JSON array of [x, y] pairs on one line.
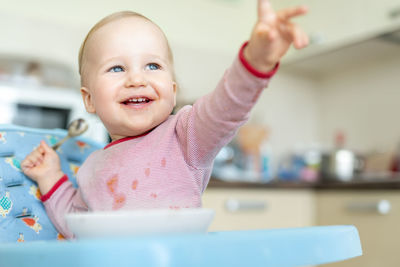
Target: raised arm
[[214, 118]]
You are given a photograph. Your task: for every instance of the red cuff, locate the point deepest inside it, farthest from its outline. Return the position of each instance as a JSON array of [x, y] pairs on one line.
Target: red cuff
[[46, 196], [253, 70]]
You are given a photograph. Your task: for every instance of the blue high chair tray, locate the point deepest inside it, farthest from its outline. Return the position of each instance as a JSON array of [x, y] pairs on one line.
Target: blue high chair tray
[[281, 247]]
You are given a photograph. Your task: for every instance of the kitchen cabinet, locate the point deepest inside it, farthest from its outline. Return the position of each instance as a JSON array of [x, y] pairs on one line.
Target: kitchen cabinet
[[343, 34], [245, 209], [380, 14], [329, 20], [376, 214], [332, 21]]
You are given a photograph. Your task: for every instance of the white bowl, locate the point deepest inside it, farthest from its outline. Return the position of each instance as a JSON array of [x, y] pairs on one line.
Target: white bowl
[[139, 222]]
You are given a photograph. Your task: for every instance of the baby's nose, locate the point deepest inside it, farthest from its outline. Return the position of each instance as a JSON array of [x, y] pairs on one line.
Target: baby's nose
[[136, 79]]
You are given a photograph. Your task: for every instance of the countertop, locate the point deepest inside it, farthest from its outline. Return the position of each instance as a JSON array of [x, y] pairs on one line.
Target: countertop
[[357, 184]]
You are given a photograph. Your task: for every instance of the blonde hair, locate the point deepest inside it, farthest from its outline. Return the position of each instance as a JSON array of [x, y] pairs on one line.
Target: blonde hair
[[110, 18]]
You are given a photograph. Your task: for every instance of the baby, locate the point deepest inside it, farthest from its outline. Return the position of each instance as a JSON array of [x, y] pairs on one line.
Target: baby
[[156, 160]]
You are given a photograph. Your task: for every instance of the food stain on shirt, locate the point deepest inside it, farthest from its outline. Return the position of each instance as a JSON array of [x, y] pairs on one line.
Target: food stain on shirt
[[147, 172], [153, 195], [135, 184], [112, 184], [119, 201], [163, 162]]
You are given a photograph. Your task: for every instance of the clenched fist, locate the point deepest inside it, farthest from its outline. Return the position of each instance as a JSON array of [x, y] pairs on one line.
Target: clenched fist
[[42, 165]]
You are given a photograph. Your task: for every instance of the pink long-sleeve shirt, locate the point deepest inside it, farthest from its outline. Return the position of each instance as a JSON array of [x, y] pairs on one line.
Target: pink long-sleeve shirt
[[170, 166]]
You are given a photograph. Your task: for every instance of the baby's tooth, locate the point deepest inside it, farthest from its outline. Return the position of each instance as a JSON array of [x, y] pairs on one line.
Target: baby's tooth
[[138, 100]]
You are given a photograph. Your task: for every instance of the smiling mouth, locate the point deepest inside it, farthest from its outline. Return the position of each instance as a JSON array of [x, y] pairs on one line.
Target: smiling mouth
[[137, 101]]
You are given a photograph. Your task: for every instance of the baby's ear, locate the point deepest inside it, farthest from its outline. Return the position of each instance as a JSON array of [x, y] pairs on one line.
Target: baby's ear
[[175, 88], [87, 100]]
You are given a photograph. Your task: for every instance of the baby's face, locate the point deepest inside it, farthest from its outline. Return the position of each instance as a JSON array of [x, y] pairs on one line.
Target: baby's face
[[128, 77]]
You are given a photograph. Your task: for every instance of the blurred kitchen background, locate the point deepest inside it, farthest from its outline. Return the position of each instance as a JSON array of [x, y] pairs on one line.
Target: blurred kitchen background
[[323, 143]]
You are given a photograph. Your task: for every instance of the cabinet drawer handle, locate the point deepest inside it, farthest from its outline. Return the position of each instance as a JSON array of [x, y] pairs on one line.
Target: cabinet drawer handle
[[382, 206], [236, 205]]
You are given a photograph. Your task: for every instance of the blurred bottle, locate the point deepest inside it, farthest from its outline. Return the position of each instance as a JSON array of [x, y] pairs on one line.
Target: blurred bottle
[[266, 161], [253, 140]]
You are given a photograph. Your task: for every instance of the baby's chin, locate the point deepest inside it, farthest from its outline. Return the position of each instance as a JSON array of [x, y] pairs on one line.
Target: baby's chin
[[129, 133], [135, 127]]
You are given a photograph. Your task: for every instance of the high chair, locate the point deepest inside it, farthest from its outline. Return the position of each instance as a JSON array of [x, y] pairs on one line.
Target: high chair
[[23, 219], [22, 215]]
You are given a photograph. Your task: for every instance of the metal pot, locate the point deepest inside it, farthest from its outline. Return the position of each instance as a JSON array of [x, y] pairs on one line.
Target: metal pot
[[340, 165]]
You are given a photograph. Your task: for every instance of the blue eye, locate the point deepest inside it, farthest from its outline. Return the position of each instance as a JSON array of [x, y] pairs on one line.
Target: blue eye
[[116, 69], [153, 66]]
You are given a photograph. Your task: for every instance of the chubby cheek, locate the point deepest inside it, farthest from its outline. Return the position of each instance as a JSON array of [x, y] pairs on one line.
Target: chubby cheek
[[170, 102], [103, 104], [166, 90]]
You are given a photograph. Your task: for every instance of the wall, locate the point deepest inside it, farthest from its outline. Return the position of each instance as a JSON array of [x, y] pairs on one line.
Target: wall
[[204, 35], [290, 108], [198, 24], [364, 103]]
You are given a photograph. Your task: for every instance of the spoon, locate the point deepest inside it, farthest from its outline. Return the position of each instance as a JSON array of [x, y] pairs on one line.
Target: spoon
[[75, 128]]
